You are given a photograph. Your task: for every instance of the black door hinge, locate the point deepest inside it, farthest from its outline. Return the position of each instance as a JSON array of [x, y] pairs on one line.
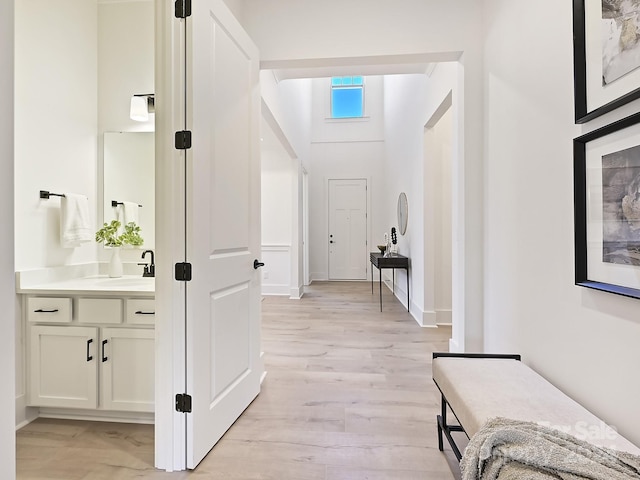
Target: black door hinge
[[183, 8], [183, 140], [183, 272], [183, 403]]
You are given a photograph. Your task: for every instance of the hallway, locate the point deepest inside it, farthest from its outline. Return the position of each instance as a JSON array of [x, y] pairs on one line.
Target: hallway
[[348, 395]]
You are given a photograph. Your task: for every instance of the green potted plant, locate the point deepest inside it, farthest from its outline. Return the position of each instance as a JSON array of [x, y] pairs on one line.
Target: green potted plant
[[110, 237]]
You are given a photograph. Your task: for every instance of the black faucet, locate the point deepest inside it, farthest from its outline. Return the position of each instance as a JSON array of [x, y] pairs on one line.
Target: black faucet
[[149, 268]]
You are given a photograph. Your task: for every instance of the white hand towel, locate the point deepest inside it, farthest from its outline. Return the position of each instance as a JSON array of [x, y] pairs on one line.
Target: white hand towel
[[130, 213], [75, 223]]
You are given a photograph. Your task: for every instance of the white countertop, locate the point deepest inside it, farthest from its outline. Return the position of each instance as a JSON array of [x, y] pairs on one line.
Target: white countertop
[[125, 285]]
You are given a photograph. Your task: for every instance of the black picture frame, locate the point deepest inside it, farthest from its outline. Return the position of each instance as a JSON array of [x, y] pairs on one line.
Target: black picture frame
[[591, 98], [583, 193]]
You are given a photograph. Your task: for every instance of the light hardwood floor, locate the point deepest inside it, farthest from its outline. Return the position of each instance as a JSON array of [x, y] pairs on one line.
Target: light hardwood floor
[[348, 396]]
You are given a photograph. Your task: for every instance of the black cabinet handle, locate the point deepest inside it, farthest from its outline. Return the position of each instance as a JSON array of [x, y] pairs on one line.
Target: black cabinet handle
[[40, 310], [140, 312], [89, 342], [257, 264], [104, 359]]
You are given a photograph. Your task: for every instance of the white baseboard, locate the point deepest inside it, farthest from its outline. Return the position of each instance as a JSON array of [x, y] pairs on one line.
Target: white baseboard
[[275, 289], [24, 415], [24, 423], [98, 416], [443, 317], [296, 293], [319, 276], [429, 319]]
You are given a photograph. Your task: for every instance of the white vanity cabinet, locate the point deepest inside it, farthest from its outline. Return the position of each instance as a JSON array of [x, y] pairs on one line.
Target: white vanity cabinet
[[127, 369], [63, 364], [91, 352]]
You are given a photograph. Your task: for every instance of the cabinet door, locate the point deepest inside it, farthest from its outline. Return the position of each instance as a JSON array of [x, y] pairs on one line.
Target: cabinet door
[[63, 366], [127, 369]]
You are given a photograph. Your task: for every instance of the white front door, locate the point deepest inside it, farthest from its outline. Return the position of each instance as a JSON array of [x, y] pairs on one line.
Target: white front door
[[348, 257], [223, 225]]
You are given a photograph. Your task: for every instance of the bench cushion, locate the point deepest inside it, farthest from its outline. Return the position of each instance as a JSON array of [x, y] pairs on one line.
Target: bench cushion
[[478, 389]]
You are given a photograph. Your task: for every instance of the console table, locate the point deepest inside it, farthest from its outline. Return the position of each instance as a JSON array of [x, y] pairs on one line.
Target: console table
[[394, 261]]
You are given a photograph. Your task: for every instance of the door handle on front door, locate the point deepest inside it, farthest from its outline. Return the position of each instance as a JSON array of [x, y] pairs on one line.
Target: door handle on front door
[[257, 264]]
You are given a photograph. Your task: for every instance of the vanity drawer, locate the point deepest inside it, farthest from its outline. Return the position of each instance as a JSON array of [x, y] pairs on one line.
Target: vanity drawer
[[99, 310], [49, 309], [141, 311]]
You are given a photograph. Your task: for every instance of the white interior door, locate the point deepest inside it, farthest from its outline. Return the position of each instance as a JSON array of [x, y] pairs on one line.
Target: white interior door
[[223, 225], [348, 255]]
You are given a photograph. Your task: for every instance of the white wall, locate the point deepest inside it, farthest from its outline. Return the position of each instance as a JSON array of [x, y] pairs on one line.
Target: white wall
[[370, 128], [404, 107], [443, 156], [55, 124], [289, 103], [583, 341], [277, 220], [7, 283], [276, 198]]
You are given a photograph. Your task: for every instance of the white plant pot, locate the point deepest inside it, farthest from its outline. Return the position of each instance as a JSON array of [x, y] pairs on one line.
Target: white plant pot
[[115, 265]]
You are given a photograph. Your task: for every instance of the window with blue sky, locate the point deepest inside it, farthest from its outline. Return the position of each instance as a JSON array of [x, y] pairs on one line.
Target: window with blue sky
[[347, 97]]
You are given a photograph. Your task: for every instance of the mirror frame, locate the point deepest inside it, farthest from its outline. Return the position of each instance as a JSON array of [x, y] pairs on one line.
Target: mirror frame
[[403, 213]]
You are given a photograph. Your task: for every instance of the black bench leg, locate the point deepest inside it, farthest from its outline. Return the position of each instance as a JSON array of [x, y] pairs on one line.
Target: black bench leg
[[444, 427]]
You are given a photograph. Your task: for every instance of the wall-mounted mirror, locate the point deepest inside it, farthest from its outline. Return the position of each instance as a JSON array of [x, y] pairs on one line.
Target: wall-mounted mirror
[[129, 176], [403, 213]]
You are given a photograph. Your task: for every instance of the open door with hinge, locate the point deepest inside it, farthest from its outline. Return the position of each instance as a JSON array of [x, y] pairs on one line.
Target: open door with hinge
[[222, 232]]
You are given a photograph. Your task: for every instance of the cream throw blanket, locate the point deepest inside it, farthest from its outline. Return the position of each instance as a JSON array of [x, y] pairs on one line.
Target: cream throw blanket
[[507, 449]]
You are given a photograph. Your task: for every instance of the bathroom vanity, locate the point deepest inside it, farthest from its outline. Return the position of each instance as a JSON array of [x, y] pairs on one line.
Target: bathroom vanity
[[90, 346]]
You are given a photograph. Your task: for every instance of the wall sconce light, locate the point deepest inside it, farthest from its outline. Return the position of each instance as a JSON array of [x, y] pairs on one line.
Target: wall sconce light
[[141, 106]]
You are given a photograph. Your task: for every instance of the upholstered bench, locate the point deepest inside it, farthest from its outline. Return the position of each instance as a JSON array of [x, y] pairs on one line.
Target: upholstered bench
[[478, 387]]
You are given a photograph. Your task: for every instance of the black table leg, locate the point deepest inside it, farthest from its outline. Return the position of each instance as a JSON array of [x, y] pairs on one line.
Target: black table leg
[[372, 279], [380, 270], [408, 304]]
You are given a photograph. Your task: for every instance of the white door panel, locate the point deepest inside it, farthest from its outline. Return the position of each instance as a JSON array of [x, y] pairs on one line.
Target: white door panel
[[223, 226], [348, 256], [229, 329]]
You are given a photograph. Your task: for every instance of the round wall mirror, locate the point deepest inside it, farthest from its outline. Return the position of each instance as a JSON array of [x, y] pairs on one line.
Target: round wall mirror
[[403, 213]]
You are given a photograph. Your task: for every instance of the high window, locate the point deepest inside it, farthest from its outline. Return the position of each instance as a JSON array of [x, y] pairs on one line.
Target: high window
[[347, 97]]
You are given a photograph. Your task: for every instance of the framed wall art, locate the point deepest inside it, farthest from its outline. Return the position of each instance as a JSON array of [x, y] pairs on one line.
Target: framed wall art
[[606, 182], [606, 55]]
